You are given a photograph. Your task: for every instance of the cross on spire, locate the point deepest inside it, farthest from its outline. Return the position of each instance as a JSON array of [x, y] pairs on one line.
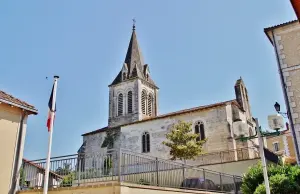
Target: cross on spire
[[133, 24]]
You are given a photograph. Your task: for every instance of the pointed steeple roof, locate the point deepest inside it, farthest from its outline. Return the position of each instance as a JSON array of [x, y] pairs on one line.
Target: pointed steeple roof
[[134, 61], [134, 55]]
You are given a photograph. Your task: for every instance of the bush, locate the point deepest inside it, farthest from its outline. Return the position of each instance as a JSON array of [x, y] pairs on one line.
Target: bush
[[260, 189], [283, 179]]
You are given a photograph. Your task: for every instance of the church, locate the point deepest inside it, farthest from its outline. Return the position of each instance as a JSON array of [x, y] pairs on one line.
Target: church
[[135, 124]]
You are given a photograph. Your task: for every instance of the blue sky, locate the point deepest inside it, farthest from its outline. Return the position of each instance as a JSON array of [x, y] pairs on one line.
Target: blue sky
[[195, 49]]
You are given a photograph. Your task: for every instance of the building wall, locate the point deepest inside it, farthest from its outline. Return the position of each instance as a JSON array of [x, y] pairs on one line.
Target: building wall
[[136, 86], [114, 91], [215, 122], [97, 189], [291, 147], [10, 118], [124, 188], [34, 177], [287, 40], [234, 168], [280, 140]]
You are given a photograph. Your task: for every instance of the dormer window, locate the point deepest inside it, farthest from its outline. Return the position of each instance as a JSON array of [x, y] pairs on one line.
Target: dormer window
[[124, 76], [134, 72], [147, 77]]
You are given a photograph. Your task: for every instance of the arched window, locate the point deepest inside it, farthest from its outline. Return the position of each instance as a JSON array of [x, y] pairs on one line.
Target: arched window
[[199, 129], [124, 75], [144, 98], [120, 104], [134, 72], [150, 105], [129, 101], [146, 142]]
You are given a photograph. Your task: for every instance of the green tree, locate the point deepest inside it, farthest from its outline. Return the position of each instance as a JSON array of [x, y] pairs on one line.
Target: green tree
[[22, 180], [65, 170], [283, 179], [183, 143], [68, 180]]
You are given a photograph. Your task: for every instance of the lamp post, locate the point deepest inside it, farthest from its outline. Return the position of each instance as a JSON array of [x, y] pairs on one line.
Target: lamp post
[[277, 108], [259, 134], [286, 115]]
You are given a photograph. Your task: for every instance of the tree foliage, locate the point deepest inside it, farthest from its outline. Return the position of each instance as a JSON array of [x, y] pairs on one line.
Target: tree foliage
[[22, 180], [283, 179], [68, 179], [183, 143], [65, 170]]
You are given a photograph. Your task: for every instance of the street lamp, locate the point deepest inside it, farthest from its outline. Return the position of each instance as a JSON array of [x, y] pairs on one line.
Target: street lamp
[[277, 108], [275, 122]]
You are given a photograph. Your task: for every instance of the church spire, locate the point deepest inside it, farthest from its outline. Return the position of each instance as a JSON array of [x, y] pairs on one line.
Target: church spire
[[134, 56], [134, 66]]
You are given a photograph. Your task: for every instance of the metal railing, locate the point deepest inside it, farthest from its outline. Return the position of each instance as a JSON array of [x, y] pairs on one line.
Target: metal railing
[[124, 166], [227, 156]]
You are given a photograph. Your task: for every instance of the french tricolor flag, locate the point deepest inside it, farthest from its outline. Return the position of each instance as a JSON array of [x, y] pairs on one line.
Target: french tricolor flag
[[51, 109]]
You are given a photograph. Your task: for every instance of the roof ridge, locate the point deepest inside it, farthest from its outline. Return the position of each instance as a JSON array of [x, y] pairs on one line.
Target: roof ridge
[[183, 111], [279, 25]]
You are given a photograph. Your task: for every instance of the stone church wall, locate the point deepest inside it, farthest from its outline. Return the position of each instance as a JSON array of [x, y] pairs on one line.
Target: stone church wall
[[216, 131], [123, 88]]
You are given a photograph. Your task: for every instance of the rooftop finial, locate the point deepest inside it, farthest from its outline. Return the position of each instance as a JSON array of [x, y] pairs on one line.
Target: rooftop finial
[[133, 24]]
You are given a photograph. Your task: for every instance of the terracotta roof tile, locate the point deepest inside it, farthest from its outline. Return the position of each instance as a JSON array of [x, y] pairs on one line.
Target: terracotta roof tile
[[184, 111], [280, 25], [266, 30], [9, 99]]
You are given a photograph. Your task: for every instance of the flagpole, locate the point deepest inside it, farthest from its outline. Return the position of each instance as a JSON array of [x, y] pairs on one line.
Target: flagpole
[[46, 178]]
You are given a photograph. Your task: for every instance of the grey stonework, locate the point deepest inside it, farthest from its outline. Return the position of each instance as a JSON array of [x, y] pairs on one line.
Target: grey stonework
[[218, 120]]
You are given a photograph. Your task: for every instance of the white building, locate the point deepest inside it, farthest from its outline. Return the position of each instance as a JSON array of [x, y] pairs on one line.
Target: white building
[[33, 175], [134, 119], [285, 40]]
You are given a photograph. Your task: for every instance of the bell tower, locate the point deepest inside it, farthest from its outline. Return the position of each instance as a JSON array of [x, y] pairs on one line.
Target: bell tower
[[242, 98], [133, 94]]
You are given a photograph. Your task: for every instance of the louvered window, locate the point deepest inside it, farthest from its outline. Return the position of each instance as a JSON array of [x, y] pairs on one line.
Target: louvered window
[[129, 103], [144, 96], [120, 104], [124, 75], [150, 105]]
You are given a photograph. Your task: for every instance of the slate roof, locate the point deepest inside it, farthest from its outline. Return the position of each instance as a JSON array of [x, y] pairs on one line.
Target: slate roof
[[184, 111], [9, 99], [134, 59]]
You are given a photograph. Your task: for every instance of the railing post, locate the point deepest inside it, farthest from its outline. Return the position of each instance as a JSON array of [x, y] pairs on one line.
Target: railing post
[[79, 169], [157, 177], [119, 165], [221, 184], [205, 186], [183, 175], [235, 187]]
